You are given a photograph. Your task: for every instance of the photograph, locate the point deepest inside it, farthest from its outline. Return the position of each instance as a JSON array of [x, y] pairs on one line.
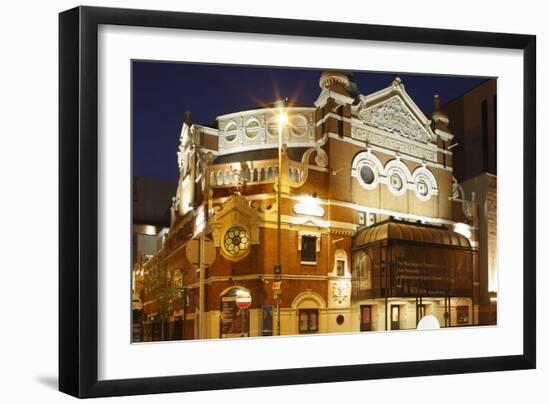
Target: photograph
[[284, 201]]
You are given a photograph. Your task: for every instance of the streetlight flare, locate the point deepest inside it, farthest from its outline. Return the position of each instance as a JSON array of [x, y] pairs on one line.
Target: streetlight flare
[[282, 119]]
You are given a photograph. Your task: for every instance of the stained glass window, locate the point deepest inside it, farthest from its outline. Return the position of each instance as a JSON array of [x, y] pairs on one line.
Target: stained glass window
[[236, 240]]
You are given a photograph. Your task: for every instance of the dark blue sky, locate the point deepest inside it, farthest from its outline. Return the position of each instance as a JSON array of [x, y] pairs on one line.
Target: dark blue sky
[[162, 92]]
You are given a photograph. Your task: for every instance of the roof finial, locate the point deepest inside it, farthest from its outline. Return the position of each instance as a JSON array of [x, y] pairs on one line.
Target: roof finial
[[397, 82], [439, 117], [437, 106], [187, 119]]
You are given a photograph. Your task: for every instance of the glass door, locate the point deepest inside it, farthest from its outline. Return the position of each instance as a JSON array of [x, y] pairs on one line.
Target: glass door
[[395, 317]]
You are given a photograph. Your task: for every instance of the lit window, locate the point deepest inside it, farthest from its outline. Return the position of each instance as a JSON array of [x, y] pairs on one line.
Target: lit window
[[309, 249], [236, 240]]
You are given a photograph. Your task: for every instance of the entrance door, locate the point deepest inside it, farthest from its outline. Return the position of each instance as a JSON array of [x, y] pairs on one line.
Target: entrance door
[[366, 318], [395, 317]]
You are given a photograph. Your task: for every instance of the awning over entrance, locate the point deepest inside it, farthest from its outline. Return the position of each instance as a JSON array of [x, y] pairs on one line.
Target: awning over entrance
[[408, 231], [404, 259]]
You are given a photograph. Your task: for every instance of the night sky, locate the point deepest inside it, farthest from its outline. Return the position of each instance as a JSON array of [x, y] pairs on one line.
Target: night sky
[[162, 92]]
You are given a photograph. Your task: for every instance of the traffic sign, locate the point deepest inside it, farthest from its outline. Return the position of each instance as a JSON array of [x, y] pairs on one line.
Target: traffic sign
[[243, 300]]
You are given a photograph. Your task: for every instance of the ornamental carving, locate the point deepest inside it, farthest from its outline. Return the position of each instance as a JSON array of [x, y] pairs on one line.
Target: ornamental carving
[[184, 148], [393, 144], [393, 116], [340, 292], [321, 159], [459, 195]]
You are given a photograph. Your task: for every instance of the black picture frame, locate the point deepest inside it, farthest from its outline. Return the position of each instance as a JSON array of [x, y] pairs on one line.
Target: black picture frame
[[78, 196]]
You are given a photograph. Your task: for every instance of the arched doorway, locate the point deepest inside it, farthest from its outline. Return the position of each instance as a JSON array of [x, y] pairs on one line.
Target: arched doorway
[[234, 321], [309, 307]]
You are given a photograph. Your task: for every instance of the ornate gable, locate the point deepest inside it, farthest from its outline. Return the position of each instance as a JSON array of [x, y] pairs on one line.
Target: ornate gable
[[392, 110], [236, 220], [393, 116]]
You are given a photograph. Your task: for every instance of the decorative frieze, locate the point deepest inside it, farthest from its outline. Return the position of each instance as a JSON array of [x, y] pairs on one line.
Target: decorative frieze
[[393, 144]]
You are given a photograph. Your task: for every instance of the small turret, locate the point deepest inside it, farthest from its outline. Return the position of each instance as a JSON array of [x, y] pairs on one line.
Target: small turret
[[440, 118], [335, 81]]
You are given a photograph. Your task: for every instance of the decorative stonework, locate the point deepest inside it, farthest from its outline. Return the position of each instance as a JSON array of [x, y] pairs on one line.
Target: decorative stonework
[[340, 292], [394, 116], [459, 195], [185, 147], [235, 214], [425, 184], [393, 144], [321, 159]]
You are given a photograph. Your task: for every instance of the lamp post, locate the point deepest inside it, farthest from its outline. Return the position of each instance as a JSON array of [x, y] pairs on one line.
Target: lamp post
[[282, 120]]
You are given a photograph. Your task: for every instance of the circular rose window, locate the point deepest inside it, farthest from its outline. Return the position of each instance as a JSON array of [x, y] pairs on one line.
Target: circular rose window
[[236, 240]]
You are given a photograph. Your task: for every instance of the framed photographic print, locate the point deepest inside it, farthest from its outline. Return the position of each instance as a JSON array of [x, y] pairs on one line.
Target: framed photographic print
[[251, 201]]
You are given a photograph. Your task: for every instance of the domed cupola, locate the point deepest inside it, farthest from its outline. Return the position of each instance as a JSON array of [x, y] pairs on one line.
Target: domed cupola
[[335, 81]]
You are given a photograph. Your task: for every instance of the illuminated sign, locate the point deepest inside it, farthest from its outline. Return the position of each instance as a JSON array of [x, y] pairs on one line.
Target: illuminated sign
[[309, 206]]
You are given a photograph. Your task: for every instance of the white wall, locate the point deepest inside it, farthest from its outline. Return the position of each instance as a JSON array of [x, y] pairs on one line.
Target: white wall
[[28, 163]]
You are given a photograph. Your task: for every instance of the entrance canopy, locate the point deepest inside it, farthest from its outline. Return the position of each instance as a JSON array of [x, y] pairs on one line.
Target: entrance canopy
[[408, 231], [404, 259]]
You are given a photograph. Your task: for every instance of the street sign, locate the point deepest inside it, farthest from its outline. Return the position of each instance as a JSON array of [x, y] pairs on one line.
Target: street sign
[[243, 300], [277, 272]]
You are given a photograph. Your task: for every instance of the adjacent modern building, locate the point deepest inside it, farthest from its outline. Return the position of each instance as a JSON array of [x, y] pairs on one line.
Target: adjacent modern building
[[151, 199], [342, 216], [474, 124]]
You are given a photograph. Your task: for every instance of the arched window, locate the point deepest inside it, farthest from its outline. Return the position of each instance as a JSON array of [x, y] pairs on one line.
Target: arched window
[[362, 274], [340, 263], [367, 168], [425, 184]]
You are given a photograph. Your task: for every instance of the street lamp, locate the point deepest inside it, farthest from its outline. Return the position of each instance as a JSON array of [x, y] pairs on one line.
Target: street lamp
[[282, 120]]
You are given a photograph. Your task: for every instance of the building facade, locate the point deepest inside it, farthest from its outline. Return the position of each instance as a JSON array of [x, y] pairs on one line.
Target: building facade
[[342, 217]]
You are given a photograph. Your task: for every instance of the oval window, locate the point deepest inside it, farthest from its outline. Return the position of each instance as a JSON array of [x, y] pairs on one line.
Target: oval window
[[298, 125], [273, 127], [252, 128], [367, 175], [231, 132]]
